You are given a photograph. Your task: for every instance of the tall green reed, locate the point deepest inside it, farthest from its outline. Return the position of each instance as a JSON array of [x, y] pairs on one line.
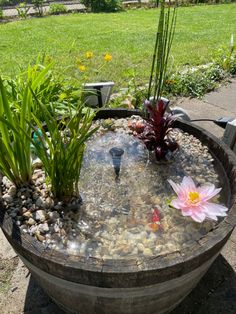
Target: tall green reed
[[162, 47]]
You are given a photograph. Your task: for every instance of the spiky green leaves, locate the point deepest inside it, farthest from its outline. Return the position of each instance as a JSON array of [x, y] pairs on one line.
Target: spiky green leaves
[[15, 162], [61, 149]]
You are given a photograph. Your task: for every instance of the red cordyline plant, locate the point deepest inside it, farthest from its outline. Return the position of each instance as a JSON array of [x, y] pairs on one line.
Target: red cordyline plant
[[158, 123], [156, 128]]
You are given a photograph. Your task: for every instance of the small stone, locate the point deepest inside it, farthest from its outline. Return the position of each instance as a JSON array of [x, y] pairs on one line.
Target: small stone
[[147, 252], [40, 237], [37, 163], [24, 210], [140, 247], [39, 181], [23, 228], [56, 228], [43, 228], [34, 230], [53, 216], [40, 203], [27, 214], [14, 289], [33, 207], [49, 202], [7, 198], [12, 191], [62, 232], [135, 251], [156, 200], [58, 206], [40, 215], [31, 222], [6, 182], [35, 196]]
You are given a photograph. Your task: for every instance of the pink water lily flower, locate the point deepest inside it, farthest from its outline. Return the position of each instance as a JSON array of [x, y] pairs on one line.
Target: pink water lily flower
[[194, 201]]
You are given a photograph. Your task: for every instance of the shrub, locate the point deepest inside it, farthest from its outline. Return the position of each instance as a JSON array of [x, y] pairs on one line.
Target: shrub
[[102, 5], [57, 8], [1, 13], [197, 81], [226, 59], [38, 6], [22, 10]]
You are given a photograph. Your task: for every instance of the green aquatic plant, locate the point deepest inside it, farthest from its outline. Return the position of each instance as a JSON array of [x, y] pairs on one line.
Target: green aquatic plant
[[60, 148], [15, 159]]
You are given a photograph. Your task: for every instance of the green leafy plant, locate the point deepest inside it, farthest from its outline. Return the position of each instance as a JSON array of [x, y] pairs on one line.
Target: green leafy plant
[[48, 87], [132, 96], [57, 8], [38, 6], [15, 159], [103, 5], [61, 149], [197, 81], [226, 57], [1, 13], [194, 82], [22, 10], [16, 106]]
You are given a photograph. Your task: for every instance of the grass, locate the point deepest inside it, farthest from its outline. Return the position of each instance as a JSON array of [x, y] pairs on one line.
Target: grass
[[128, 36]]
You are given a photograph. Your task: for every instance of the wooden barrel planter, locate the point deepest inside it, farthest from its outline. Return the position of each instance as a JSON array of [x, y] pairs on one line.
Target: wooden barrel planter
[[145, 285]]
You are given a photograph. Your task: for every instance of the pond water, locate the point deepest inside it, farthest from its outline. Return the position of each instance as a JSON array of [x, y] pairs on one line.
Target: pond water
[[128, 215]]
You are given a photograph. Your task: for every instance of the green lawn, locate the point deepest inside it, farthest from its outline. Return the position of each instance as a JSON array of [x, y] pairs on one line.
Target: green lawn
[[128, 36]]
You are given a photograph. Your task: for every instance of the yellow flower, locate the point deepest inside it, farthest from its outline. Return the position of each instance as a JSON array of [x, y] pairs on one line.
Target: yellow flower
[[62, 96], [82, 68], [89, 54], [107, 57]]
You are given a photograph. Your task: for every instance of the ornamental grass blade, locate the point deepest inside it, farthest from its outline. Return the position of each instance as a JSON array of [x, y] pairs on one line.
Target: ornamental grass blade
[[4, 111], [5, 163], [16, 147]]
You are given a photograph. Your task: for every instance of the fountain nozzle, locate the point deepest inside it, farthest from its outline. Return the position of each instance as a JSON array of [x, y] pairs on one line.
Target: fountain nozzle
[[116, 154]]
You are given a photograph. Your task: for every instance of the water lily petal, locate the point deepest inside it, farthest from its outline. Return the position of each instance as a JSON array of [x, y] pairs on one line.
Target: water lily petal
[[177, 203], [188, 185], [186, 211], [215, 209], [211, 216], [176, 187], [208, 191], [198, 216]]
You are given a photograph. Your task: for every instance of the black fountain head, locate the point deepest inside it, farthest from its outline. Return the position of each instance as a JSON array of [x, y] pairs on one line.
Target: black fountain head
[[116, 154]]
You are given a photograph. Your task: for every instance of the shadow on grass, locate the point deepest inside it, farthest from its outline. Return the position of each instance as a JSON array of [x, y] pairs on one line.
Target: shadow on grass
[[215, 294]]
